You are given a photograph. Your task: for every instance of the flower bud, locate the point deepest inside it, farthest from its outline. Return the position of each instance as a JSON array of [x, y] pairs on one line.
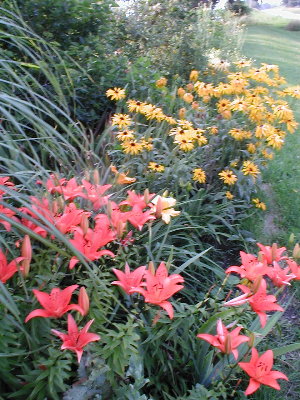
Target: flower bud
[[120, 228], [190, 87], [180, 92], [159, 208], [195, 105], [84, 224], [256, 284], [83, 300], [188, 97], [292, 238], [296, 251], [160, 83], [109, 210], [151, 267], [182, 113], [228, 344], [274, 251], [251, 341], [26, 252], [194, 75], [146, 196], [96, 177]]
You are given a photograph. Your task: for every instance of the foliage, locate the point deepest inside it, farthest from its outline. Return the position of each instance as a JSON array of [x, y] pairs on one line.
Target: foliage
[[239, 8], [83, 51], [175, 36], [137, 333]]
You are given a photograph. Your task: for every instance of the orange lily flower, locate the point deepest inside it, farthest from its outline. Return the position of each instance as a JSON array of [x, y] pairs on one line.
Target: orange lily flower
[[250, 267], [55, 304], [159, 287], [128, 280], [259, 301], [76, 340], [271, 253], [260, 371], [225, 341]]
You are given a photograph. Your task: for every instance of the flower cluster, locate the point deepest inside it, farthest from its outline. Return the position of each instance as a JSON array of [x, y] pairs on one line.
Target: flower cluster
[[271, 263], [92, 222], [242, 114], [156, 286]]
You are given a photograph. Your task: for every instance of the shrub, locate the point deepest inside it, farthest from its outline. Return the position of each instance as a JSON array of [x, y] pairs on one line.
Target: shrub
[[239, 8], [293, 25], [175, 36]]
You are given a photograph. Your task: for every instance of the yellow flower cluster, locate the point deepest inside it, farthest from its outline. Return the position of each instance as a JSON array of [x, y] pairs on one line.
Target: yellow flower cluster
[[244, 110]]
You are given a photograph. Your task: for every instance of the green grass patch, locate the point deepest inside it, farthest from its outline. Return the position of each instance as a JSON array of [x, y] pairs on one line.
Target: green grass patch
[[266, 40]]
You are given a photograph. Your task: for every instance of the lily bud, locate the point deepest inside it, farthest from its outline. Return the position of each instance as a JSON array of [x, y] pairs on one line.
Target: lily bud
[[228, 344], [296, 251], [121, 226], [84, 224], [83, 300], [26, 252], [58, 204], [109, 210], [291, 238], [151, 267], [274, 251], [256, 284], [159, 208], [146, 196], [251, 340], [96, 177]]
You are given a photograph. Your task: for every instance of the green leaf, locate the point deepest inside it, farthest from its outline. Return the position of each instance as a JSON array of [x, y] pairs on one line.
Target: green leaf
[[279, 351]]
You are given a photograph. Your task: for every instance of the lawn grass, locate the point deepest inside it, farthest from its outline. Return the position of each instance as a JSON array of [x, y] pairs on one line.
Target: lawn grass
[[267, 40]]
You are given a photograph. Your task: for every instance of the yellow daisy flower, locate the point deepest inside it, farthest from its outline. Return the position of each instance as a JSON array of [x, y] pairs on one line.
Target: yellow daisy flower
[[199, 175], [184, 144], [243, 63], [259, 204], [275, 140], [132, 147], [156, 167], [228, 177], [229, 195], [135, 106], [122, 120], [147, 145], [251, 148], [125, 135], [249, 168], [213, 129], [116, 93]]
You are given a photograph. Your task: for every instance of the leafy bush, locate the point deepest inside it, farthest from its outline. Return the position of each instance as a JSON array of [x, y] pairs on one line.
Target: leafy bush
[[176, 36], [239, 7], [293, 26]]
